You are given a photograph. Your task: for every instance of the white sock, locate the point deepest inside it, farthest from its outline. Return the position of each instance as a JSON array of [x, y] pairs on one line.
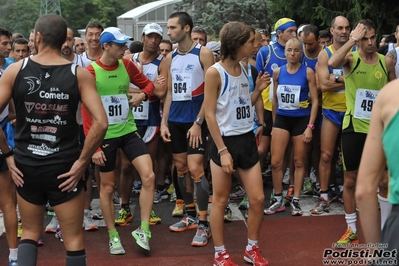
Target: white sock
[[251, 243], [324, 196], [385, 208], [218, 249], [13, 254], [351, 221]]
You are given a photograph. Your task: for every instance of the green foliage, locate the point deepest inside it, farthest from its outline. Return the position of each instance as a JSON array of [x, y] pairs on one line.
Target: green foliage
[[213, 14], [20, 15], [321, 12]]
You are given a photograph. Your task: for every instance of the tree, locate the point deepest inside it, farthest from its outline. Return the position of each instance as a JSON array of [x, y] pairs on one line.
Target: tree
[[213, 14], [19, 15], [321, 12]]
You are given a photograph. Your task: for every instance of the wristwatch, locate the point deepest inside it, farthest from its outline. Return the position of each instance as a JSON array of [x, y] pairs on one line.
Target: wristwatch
[[337, 78], [311, 126], [145, 96], [262, 124], [199, 121]]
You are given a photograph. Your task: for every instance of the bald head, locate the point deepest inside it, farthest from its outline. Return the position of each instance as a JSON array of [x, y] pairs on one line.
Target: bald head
[[79, 45], [340, 29]]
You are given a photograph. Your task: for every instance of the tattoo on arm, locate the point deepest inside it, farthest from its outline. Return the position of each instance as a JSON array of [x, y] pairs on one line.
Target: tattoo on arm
[[392, 54]]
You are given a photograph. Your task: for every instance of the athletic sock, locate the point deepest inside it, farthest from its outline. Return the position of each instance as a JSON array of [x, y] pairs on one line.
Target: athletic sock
[[160, 187], [324, 195], [27, 252], [278, 197], [385, 208], [204, 223], [145, 226], [219, 249], [251, 243], [76, 258], [13, 254], [113, 233], [351, 221]]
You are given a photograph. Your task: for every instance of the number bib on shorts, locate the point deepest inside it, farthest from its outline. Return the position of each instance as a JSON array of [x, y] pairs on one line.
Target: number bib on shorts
[[364, 103], [116, 107], [241, 112], [141, 112], [181, 90], [288, 97]]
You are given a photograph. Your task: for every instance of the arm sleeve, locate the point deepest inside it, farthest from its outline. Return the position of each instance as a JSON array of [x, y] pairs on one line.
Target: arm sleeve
[[138, 78]]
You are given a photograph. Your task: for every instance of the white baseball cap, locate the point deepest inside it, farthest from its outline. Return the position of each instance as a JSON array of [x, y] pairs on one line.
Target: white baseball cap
[[113, 34], [153, 28]]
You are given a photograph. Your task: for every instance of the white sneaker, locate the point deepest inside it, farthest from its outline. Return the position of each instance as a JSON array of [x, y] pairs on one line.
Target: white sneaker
[[313, 176], [286, 178], [88, 222], [52, 226]]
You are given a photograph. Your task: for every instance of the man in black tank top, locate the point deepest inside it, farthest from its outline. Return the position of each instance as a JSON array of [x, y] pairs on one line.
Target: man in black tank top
[[46, 164]]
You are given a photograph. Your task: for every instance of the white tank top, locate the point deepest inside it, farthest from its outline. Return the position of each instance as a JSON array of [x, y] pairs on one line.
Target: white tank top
[[397, 62], [234, 113]]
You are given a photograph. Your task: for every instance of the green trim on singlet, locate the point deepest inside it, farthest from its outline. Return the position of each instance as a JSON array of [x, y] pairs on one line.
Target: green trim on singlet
[[390, 144], [365, 76], [113, 83]]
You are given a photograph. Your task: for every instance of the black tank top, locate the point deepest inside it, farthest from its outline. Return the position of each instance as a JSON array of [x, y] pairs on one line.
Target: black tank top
[[46, 100]]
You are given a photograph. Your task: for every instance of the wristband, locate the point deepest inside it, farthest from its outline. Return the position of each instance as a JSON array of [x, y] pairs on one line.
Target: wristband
[[222, 149], [311, 126], [8, 154]]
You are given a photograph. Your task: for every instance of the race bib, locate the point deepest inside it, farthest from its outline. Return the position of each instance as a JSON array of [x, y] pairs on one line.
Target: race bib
[[181, 87], [364, 103], [116, 107], [241, 112], [288, 97], [141, 112]]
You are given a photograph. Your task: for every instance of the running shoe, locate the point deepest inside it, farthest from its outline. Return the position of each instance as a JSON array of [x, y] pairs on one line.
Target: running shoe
[[154, 219], [347, 238], [19, 231], [184, 224], [173, 196], [223, 259], [276, 206], [58, 234], [296, 208], [40, 242], [255, 257], [312, 175], [243, 204], [52, 226], [142, 238], [201, 236], [170, 189], [178, 211], [115, 246], [286, 177], [88, 222], [228, 214], [98, 216], [124, 217], [115, 198], [321, 207], [136, 186], [160, 195], [13, 263], [290, 193], [307, 186], [49, 209], [239, 194]]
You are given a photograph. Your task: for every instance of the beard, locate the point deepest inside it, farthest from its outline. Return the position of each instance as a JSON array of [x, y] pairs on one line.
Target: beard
[[65, 51]]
